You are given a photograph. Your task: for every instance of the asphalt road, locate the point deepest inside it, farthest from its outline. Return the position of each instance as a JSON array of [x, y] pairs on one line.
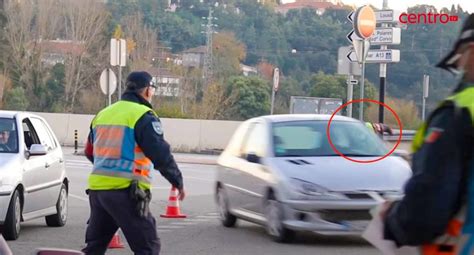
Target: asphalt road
[[200, 233]]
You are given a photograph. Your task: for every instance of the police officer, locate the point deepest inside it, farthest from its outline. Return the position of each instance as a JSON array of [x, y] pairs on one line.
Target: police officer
[[379, 128], [125, 141], [437, 212]]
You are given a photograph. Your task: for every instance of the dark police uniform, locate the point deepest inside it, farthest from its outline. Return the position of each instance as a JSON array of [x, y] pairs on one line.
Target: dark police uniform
[[125, 141]]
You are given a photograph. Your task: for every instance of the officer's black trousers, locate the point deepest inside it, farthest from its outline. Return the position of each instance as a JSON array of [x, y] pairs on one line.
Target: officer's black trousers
[[113, 209]]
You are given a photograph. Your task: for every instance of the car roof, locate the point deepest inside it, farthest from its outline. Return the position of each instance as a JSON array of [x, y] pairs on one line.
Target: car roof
[[303, 117], [12, 114]]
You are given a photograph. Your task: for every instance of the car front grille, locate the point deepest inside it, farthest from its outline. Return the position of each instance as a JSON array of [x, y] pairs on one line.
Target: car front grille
[[358, 196], [344, 215]]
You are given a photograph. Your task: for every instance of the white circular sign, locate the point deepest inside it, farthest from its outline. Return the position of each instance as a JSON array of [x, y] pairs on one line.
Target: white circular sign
[[112, 81]]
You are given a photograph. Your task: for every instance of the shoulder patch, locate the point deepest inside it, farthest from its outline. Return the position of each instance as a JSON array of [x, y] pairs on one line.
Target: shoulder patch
[[433, 134], [157, 127]]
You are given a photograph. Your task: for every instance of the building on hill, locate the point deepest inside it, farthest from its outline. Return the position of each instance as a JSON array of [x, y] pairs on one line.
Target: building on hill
[[320, 6]]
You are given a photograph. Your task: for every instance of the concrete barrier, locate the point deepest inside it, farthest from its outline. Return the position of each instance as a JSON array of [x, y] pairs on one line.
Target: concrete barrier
[[184, 135]]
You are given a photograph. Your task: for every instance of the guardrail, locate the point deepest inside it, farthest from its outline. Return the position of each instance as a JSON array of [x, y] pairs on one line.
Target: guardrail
[[407, 135]]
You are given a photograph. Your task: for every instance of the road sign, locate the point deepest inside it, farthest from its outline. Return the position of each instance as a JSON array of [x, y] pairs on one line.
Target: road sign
[[426, 85], [350, 17], [378, 56], [276, 79], [344, 66], [352, 36], [118, 52], [361, 48], [386, 35], [387, 16], [108, 81], [364, 22]]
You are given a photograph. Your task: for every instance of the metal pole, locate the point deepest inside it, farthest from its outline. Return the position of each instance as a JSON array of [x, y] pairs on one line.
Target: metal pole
[[383, 74], [362, 84], [108, 85], [75, 141], [350, 90], [273, 101], [120, 69], [423, 109]]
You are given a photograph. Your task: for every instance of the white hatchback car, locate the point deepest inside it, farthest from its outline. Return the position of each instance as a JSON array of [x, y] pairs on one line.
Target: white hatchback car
[[281, 172], [33, 181]]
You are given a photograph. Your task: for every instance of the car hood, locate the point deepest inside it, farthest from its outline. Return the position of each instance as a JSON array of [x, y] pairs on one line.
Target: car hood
[[339, 174]]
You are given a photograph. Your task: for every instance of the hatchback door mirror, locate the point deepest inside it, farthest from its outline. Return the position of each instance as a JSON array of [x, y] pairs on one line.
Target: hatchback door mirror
[[253, 158], [37, 150]]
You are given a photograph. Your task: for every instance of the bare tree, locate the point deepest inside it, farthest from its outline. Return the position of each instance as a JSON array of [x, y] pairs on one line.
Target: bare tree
[[85, 24], [29, 23], [141, 41]]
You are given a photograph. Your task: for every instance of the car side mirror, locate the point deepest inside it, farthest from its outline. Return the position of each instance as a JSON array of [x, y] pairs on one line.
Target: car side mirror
[[253, 158], [37, 150]]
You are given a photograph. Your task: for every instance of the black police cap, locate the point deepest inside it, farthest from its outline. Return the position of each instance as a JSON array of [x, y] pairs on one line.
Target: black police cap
[[139, 80], [467, 35]]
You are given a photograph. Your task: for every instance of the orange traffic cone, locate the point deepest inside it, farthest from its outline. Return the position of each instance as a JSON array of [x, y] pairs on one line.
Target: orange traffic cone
[[172, 210], [116, 243]]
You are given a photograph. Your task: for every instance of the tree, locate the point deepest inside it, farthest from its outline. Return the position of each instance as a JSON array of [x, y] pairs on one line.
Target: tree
[[406, 111], [228, 53], [85, 22], [334, 86], [141, 41], [28, 25], [253, 97], [16, 99]]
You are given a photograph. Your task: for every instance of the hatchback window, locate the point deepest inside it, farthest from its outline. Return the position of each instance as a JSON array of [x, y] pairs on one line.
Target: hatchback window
[[8, 136], [256, 140], [43, 133], [308, 138]]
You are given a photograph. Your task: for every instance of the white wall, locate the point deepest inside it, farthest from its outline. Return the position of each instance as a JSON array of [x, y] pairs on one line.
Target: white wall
[[184, 135]]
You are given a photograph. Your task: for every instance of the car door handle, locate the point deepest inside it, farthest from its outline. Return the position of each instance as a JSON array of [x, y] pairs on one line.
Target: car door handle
[[61, 160], [47, 165]]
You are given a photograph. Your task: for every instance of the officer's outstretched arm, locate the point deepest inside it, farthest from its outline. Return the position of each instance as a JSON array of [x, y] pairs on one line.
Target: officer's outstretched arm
[[89, 149], [149, 136], [433, 194]]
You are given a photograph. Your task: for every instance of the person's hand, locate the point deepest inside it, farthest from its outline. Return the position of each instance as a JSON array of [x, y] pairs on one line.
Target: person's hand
[[181, 194], [385, 208]]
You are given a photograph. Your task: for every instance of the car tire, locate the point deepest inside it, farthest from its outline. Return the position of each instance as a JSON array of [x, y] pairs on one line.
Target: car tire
[[274, 226], [59, 219], [11, 226], [228, 220]]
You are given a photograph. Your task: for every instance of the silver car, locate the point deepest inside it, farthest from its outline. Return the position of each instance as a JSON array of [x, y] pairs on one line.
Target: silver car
[[281, 172], [33, 180]]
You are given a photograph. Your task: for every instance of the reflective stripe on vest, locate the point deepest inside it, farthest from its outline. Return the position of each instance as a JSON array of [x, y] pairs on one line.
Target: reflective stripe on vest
[[117, 157], [458, 238]]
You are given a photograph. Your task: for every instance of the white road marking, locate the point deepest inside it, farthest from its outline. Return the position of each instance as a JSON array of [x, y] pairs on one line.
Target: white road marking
[[169, 227], [197, 220], [182, 223], [79, 197], [207, 216], [199, 179]]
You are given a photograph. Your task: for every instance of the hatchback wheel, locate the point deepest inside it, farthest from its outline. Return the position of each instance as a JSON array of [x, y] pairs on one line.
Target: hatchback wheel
[[275, 227], [59, 219], [227, 219], [11, 227]]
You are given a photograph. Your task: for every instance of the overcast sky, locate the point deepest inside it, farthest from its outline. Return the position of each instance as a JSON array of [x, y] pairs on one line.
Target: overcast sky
[[403, 4]]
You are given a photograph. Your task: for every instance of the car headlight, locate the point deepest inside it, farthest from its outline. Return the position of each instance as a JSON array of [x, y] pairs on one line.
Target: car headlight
[[393, 195], [308, 188]]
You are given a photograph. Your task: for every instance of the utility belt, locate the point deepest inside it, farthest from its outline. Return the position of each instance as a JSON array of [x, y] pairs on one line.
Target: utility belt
[[141, 197]]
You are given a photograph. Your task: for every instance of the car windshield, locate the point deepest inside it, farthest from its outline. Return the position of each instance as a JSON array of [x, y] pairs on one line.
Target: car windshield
[[8, 136], [308, 138]]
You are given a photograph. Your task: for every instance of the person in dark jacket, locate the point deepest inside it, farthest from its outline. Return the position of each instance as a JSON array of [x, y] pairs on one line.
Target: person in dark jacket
[[126, 140], [436, 212]]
